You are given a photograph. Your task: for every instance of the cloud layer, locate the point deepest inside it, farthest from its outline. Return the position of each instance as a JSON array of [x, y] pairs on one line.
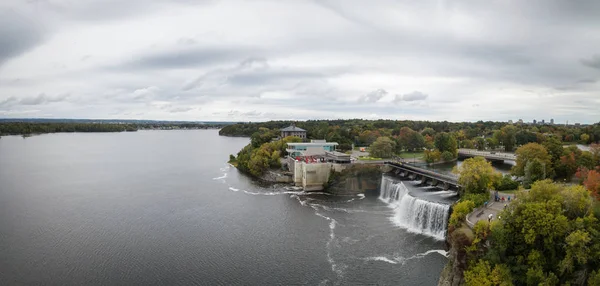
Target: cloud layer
[[262, 60]]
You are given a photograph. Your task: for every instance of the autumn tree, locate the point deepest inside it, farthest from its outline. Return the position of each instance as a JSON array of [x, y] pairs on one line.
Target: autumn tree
[[592, 183], [477, 175]]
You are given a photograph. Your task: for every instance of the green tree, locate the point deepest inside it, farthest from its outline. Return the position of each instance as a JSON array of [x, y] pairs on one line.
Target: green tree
[[432, 156], [482, 274], [383, 147], [428, 132], [460, 211], [477, 175], [492, 143], [554, 147], [446, 142], [480, 143], [584, 138], [509, 139], [529, 152]]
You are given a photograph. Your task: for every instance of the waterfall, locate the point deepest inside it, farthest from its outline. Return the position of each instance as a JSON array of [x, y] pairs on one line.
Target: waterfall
[[414, 214]]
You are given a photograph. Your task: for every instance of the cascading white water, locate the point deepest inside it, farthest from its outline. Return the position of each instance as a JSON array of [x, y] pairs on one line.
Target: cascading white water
[[414, 214]]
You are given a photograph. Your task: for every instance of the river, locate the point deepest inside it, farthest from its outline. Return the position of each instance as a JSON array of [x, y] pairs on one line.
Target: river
[[164, 208]]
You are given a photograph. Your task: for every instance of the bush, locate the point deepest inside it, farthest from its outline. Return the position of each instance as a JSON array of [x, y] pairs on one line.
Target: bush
[[460, 211], [507, 183], [447, 156], [477, 199]]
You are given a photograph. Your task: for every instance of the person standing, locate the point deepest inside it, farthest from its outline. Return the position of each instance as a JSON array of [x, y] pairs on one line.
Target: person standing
[[490, 216]]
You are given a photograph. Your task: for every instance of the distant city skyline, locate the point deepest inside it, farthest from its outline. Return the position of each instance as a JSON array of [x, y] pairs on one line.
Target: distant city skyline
[[236, 60]]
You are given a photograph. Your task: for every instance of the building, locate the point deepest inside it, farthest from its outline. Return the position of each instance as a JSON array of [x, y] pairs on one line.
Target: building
[[510, 122], [313, 148], [543, 121], [292, 130], [520, 121], [534, 122], [552, 121]]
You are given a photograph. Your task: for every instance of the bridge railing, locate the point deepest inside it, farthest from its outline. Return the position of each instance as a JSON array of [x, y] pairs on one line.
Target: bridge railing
[[449, 178]]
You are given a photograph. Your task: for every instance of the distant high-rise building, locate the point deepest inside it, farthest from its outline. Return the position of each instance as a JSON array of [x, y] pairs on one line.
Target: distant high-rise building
[[510, 122], [520, 121], [534, 121], [543, 121], [552, 121]]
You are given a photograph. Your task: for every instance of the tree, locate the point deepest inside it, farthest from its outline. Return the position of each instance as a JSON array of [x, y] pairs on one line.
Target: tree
[[410, 139], [529, 152], [428, 132], [447, 156], [477, 175], [459, 211], [383, 147], [523, 137], [595, 151], [507, 183], [492, 143], [480, 143], [554, 147], [535, 170], [446, 142], [508, 137], [432, 156], [584, 138], [482, 274], [592, 183]]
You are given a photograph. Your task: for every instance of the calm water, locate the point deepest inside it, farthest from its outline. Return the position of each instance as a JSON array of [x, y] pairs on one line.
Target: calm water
[[164, 208]]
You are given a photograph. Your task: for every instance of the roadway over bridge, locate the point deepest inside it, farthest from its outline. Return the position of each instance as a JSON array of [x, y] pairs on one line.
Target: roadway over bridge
[[426, 176], [491, 156]]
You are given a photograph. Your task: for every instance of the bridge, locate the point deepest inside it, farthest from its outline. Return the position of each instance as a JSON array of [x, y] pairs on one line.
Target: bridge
[[405, 170], [490, 156]]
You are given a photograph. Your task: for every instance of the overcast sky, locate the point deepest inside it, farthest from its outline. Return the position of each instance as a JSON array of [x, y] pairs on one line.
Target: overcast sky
[[464, 60]]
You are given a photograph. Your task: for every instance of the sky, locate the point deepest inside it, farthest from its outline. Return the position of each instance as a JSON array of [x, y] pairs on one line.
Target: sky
[[260, 60]]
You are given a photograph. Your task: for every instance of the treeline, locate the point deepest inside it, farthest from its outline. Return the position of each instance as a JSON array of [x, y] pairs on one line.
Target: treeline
[[481, 135], [25, 128]]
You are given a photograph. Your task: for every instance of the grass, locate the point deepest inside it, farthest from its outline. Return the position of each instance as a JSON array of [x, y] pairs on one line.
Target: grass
[[366, 158], [410, 155]]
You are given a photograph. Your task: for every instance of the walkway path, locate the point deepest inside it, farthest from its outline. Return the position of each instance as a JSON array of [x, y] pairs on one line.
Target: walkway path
[[493, 208]]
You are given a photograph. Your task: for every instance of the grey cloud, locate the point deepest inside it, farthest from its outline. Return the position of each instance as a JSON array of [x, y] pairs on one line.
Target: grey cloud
[[587, 80], [8, 101], [18, 33], [42, 98], [267, 77], [414, 96], [220, 75], [592, 62], [181, 109], [373, 96], [186, 58]]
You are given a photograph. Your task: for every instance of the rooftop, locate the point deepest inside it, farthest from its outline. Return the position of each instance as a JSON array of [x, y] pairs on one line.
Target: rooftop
[[293, 128]]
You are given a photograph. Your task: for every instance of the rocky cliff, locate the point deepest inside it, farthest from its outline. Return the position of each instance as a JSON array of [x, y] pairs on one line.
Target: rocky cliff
[[457, 240], [356, 179]]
